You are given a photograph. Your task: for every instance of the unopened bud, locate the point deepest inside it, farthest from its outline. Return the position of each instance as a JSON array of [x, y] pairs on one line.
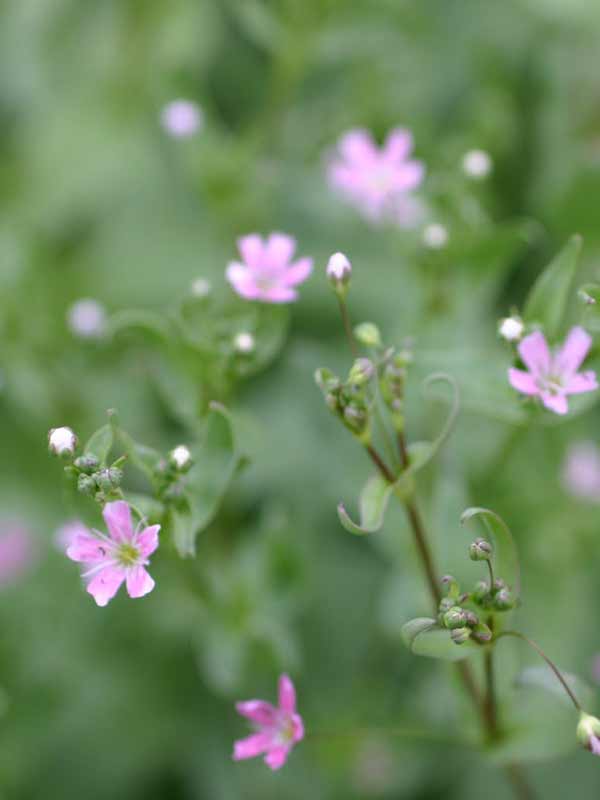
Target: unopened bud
[[460, 635], [367, 333], [339, 271], [435, 236], [499, 583], [87, 463], [356, 418], [482, 633], [86, 485], [62, 441], [472, 619], [181, 458], [481, 592], [588, 732], [244, 343], [455, 618], [108, 479], [480, 550], [450, 586], [200, 288], [326, 380], [503, 600], [362, 371], [511, 329], [477, 164]]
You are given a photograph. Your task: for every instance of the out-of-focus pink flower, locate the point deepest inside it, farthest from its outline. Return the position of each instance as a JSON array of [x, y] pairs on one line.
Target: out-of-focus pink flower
[[277, 729], [596, 668], [67, 533], [119, 557], [266, 271], [181, 118], [377, 180], [581, 471], [17, 551], [553, 376]]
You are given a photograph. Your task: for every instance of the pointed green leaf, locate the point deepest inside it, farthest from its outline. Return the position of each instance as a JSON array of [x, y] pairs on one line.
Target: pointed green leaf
[[506, 557], [100, 443], [547, 300], [143, 457]]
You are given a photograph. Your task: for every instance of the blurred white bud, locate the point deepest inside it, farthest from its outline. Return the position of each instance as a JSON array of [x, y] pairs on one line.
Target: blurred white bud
[[87, 319], [62, 441], [477, 164], [244, 342], [435, 236], [339, 270], [201, 288], [181, 118], [511, 329], [181, 457]]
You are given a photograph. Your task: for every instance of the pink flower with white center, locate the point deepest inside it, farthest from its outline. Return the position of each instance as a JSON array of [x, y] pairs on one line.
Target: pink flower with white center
[[266, 272], [122, 556], [581, 471], [17, 552], [554, 376], [376, 180], [277, 729]]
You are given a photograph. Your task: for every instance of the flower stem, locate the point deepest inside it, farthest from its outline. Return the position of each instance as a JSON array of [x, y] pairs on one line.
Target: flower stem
[[347, 325], [551, 664]]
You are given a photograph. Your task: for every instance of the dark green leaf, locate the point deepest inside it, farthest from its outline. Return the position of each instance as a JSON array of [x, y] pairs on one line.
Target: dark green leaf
[[100, 443]]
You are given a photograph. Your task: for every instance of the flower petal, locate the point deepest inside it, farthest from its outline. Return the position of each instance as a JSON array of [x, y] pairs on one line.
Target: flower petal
[[242, 281], [278, 294], [555, 402], [139, 582], [277, 756], [535, 354], [573, 352], [104, 586], [147, 540], [258, 711], [251, 746], [522, 381], [279, 250], [358, 146], [398, 144], [252, 249], [287, 695], [86, 548], [297, 728], [581, 382], [409, 176], [117, 516], [298, 272]]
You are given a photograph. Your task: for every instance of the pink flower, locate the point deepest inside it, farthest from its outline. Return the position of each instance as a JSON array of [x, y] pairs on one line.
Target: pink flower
[[265, 272], [120, 556], [182, 118], [277, 729], [581, 471], [553, 376], [17, 552], [377, 181]]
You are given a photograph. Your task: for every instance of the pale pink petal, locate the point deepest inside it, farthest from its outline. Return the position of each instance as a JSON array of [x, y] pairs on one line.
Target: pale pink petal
[[287, 695], [104, 586], [252, 249], [258, 711], [573, 352], [279, 250], [581, 382], [278, 294], [555, 402], [251, 746], [595, 745], [147, 540], [408, 177], [297, 728], [87, 548], [117, 516], [535, 354], [358, 146], [298, 272], [139, 582], [242, 280], [522, 381], [277, 756], [398, 144]]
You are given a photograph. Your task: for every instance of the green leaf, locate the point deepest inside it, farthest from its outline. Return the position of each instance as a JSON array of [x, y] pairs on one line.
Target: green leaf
[[506, 557], [424, 637], [547, 300], [138, 319], [373, 503], [143, 457], [542, 677], [100, 443]]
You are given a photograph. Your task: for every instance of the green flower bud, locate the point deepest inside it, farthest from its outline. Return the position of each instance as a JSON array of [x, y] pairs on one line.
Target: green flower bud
[[367, 333], [481, 594], [588, 732], [362, 371], [460, 635], [455, 618], [86, 485], [472, 619], [480, 550], [498, 584], [87, 463], [326, 380], [482, 633], [503, 600], [108, 479], [450, 586]]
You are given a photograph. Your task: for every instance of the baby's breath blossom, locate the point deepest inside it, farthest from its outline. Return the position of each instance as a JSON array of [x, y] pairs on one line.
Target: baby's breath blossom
[[477, 164], [62, 441], [244, 343], [581, 471], [376, 181], [87, 319], [511, 328], [435, 236], [201, 288], [554, 376], [17, 551], [181, 118], [121, 556], [266, 271], [277, 729], [181, 456]]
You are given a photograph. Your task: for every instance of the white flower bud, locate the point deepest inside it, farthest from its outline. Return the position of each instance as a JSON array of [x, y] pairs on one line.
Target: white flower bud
[[87, 319], [244, 343], [511, 329], [477, 164], [62, 441], [201, 288], [181, 118], [181, 457], [435, 236], [339, 270]]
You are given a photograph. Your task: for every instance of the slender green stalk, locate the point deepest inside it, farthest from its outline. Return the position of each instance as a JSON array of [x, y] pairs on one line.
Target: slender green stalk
[[347, 325]]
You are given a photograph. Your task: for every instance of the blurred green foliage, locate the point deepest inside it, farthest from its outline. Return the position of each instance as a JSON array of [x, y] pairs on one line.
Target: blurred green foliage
[[136, 700]]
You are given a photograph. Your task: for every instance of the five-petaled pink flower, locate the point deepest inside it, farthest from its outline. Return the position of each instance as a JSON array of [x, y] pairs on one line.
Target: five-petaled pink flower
[[120, 556], [553, 376], [265, 272], [277, 729], [377, 181]]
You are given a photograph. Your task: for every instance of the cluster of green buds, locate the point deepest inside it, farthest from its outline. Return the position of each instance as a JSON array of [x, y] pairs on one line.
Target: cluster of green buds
[[93, 480], [391, 383], [350, 400], [169, 472]]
